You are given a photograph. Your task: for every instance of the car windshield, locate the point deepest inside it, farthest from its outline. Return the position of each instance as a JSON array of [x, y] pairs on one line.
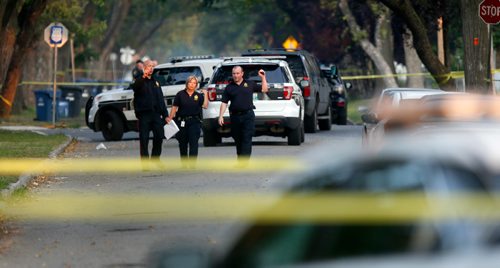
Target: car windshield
[[274, 73], [176, 75]]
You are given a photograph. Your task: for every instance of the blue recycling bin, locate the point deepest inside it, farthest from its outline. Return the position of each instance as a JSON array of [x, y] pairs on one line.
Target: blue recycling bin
[[43, 99]]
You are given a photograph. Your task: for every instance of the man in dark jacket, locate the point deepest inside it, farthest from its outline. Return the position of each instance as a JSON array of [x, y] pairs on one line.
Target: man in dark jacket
[[150, 110], [138, 70]]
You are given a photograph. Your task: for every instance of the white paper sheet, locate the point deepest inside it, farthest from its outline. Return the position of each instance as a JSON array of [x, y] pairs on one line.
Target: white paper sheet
[[170, 129]]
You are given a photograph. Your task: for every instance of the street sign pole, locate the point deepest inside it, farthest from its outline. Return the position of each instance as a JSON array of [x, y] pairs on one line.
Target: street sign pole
[[56, 36], [54, 104]]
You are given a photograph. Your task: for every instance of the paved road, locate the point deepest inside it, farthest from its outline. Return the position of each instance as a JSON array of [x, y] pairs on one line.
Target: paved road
[[67, 243]]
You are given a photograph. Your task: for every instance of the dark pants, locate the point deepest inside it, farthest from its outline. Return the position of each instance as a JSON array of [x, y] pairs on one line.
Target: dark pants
[[189, 136], [242, 130], [147, 122]]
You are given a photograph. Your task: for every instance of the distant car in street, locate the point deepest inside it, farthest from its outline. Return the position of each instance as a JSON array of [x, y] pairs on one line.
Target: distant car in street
[[339, 94], [315, 87], [386, 105]]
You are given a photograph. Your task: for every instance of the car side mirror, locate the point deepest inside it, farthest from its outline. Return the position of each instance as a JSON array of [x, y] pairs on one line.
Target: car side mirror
[[304, 83], [348, 85], [369, 118]]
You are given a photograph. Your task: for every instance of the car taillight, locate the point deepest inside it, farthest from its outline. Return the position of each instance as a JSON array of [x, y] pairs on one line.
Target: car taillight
[[306, 92], [287, 92], [212, 93]]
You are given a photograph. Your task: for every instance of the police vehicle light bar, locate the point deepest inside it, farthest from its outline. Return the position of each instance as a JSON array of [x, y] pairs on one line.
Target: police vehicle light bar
[[250, 58], [183, 58]]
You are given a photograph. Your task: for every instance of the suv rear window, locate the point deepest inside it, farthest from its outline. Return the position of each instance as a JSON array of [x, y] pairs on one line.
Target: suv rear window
[[296, 66], [176, 75], [274, 74]]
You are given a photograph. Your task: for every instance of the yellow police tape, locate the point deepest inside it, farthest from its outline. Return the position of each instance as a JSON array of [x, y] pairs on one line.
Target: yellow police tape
[[13, 166], [40, 83], [454, 74], [333, 207]]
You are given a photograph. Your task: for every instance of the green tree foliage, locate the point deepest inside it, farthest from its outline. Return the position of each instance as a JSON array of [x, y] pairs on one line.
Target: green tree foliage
[[72, 14]]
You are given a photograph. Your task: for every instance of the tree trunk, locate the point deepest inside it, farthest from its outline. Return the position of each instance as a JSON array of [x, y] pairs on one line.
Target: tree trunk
[[117, 18], [384, 42], [373, 52], [421, 42], [27, 19], [8, 14], [413, 62], [476, 49]]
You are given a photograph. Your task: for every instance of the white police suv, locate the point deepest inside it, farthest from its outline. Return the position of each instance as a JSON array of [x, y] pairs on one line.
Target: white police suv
[[279, 112], [112, 112]]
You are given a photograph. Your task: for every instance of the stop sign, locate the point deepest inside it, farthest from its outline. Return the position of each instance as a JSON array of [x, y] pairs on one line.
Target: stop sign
[[489, 11]]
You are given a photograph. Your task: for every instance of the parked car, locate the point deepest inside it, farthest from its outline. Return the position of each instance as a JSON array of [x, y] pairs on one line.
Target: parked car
[[315, 87], [386, 105], [438, 169], [279, 112], [112, 112], [338, 95]]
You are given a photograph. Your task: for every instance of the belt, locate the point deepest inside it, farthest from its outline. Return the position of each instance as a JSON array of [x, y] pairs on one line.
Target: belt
[[188, 117], [238, 112]]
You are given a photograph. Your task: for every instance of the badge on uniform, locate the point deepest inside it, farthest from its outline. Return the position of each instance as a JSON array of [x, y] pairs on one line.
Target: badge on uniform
[[245, 85], [157, 84], [195, 97], [183, 123]]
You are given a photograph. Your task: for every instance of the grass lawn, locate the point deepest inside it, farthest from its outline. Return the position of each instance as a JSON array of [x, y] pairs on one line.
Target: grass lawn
[[27, 118], [25, 144]]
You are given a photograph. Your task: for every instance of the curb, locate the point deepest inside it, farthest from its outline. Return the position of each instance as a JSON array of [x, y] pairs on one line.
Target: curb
[[25, 178]]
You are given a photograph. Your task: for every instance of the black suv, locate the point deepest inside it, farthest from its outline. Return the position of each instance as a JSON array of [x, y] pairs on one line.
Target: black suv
[[338, 96], [313, 83]]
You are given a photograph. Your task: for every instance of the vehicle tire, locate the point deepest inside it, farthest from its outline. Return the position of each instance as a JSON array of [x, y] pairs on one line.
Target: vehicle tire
[[311, 122], [342, 117], [326, 124], [294, 136], [342, 120], [210, 139], [88, 105], [112, 126]]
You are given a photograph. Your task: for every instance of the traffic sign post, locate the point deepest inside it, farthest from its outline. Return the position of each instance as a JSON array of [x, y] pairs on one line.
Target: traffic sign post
[[489, 11], [56, 35]]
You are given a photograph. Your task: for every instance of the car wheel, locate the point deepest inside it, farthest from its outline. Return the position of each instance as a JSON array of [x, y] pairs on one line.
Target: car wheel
[[294, 136], [326, 124], [112, 126], [210, 138], [342, 116], [311, 122], [342, 120]]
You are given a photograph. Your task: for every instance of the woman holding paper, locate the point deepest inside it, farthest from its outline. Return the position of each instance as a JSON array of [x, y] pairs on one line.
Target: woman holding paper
[[186, 112]]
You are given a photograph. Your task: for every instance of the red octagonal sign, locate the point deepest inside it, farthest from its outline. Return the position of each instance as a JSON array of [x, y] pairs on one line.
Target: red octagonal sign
[[489, 11]]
